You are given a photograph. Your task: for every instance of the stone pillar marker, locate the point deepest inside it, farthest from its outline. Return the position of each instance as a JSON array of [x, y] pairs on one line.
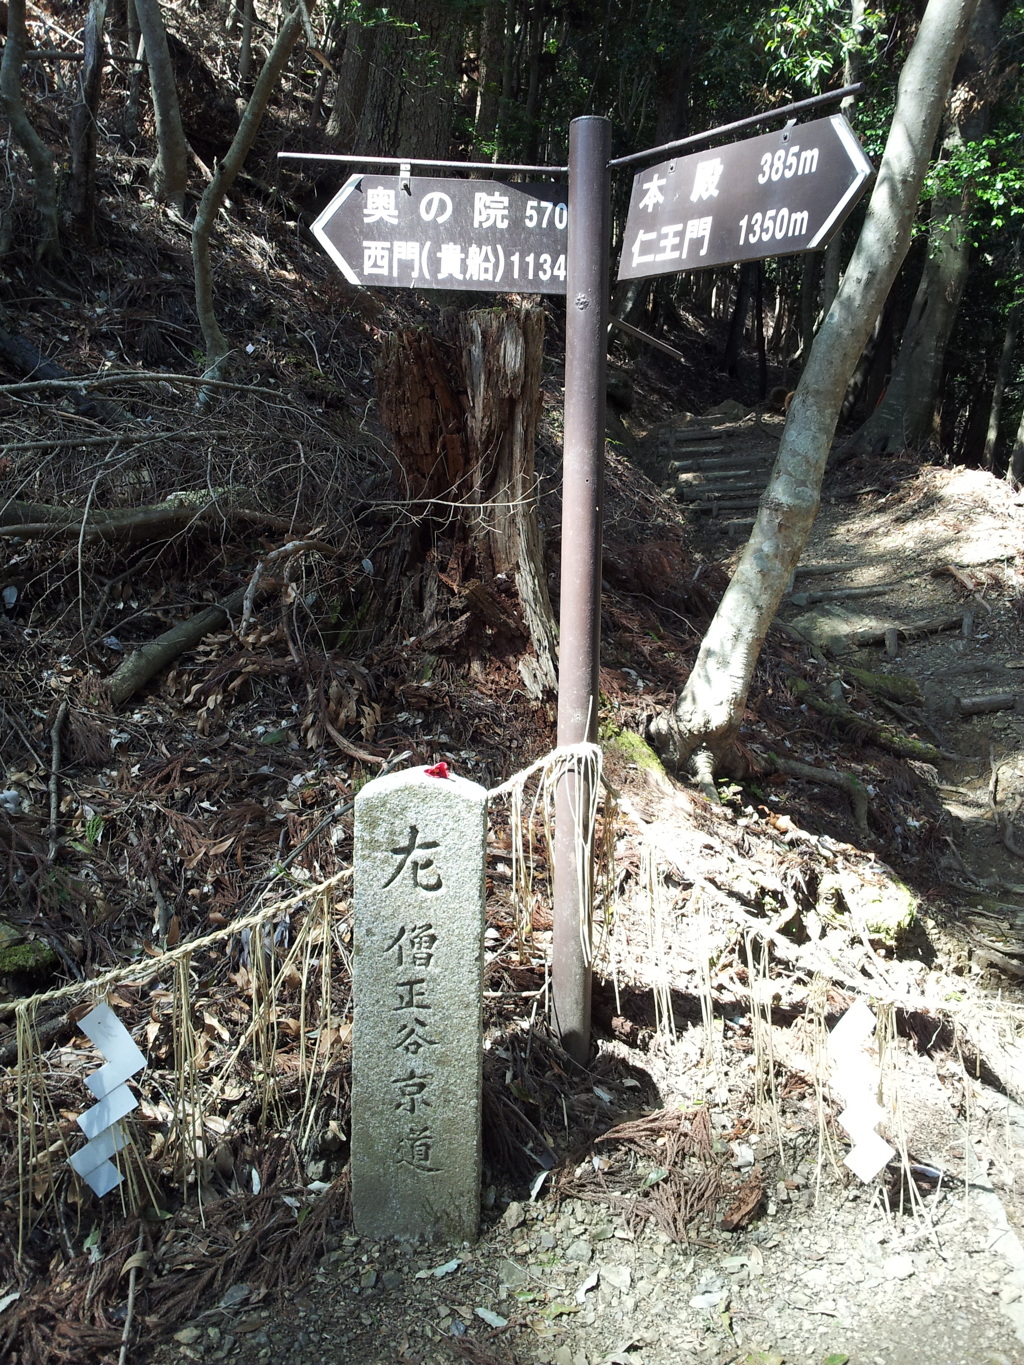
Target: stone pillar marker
[[417, 1054]]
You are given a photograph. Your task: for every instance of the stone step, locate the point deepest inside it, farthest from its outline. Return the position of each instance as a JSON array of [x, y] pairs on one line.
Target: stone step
[[738, 528], [721, 462], [685, 448], [732, 478], [707, 492], [723, 505]]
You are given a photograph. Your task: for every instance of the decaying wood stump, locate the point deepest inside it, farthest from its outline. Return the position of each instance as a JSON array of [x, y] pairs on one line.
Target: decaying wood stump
[[462, 406]]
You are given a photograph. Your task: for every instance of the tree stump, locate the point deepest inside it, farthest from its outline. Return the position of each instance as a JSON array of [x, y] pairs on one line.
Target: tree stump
[[462, 406]]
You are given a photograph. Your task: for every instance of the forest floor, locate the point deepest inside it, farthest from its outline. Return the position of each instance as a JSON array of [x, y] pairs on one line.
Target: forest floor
[[684, 1198], [582, 1268]]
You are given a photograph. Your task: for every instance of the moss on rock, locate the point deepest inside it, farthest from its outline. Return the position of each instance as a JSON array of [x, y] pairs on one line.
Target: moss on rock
[[879, 903], [27, 958], [630, 747]]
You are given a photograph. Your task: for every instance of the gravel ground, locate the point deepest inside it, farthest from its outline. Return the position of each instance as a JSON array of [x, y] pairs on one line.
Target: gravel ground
[[827, 1271]]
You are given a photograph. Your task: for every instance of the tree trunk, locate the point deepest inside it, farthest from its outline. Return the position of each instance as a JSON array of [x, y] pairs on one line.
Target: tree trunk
[[808, 302], [137, 49], [507, 77], [706, 718], [532, 101], [1015, 468], [738, 321], [83, 124], [245, 45], [673, 81], [408, 106], [13, 105], [492, 50], [906, 415], [853, 71], [170, 169], [995, 411], [462, 408], [216, 192], [350, 91]]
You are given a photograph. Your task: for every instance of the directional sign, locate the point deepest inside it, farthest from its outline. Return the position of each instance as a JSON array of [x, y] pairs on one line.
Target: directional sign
[[426, 233], [768, 196]]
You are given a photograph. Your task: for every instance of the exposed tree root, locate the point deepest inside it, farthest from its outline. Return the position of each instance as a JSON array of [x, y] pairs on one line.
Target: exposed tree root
[[827, 777], [883, 735]]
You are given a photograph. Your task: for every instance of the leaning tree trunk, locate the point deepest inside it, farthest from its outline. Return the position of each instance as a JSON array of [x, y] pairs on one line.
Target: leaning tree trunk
[[13, 105], [706, 718], [906, 414], [217, 190], [462, 408], [170, 169]]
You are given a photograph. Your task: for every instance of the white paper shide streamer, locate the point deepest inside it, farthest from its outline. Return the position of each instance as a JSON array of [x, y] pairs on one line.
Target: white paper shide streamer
[[102, 1123], [855, 1076]]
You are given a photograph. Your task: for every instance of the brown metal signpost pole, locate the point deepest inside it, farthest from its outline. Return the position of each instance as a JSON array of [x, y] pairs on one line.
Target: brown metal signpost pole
[[586, 347]]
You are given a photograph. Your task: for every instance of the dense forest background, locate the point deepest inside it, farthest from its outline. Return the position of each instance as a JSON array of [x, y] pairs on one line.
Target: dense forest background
[[180, 106]]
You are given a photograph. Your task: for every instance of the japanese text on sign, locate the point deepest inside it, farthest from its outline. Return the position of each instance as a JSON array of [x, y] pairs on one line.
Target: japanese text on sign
[[769, 195], [412, 946], [447, 234]]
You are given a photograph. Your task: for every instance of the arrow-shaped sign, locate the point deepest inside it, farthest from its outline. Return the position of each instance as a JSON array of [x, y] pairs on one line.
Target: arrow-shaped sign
[[772, 195], [422, 232], [101, 1123]]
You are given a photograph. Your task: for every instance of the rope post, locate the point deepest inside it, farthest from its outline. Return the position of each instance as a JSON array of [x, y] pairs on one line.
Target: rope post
[[586, 348]]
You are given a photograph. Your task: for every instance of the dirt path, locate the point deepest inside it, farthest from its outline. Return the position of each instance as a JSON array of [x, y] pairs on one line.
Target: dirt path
[[939, 545]]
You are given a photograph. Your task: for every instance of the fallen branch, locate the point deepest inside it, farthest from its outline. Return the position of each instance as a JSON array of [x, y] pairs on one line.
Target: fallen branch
[[891, 686], [986, 703], [803, 599], [910, 630], [294, 547], [134, 524], [52, 832], [806, 772], [881, 734], [140, 1258], [113, 378], [908, 719], [63, 442], [23, 357], [145, 663]]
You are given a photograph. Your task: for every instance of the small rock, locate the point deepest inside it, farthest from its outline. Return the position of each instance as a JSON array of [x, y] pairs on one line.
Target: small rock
[[511, 1274], [620, 1277], [712, 1300], [546, 1241], [579, 1252], [188, 1335], [899, 1267], [367, 1279], [513, 1216], [238, 1293], [392, 1279]]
